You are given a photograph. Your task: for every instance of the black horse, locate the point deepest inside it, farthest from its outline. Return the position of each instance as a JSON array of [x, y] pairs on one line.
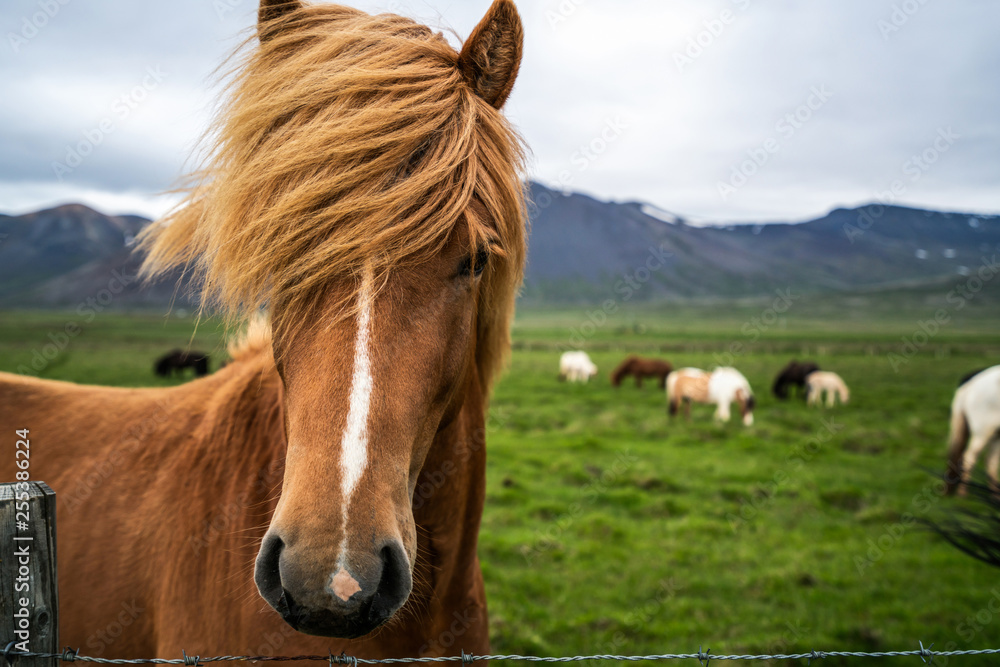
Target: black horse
[[969, 376], [175, 361], [793, 375]]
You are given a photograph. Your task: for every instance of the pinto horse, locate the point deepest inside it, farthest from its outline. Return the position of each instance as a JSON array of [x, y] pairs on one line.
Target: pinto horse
[[365, 187], [641, 368], [975, 428], [722, 386]]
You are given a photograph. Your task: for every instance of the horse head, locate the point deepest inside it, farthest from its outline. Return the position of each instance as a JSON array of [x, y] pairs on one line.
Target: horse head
[[366, 188]]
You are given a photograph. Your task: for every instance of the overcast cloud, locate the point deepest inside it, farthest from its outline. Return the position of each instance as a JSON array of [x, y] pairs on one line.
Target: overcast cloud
[[728, 110]]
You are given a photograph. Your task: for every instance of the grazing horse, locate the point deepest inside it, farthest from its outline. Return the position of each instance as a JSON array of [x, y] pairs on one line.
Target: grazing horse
[[793, 375], [975, 428], [175, 361], [722, 386], [576, 367], [829, 383], [641, 368], [365, 187]]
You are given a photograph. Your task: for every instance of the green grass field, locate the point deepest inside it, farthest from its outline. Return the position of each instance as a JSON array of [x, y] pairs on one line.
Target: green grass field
[[610, 529]]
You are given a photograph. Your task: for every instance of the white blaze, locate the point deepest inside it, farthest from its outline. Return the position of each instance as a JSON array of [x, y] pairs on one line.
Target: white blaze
[[354, 446]]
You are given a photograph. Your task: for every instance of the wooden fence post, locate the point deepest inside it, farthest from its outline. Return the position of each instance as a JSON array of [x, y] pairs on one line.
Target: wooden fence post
[[29, 594]]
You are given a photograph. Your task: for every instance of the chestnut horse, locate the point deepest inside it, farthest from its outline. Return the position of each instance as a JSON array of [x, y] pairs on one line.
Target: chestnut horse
[[365, 187], [641, 368]]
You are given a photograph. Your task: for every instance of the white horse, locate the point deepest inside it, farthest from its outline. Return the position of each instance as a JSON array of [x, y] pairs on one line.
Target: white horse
[[820, 382], [975, 427], [722, 386], [576, 367]]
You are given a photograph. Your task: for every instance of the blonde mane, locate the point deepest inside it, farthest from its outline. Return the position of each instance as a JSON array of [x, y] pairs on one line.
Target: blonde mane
[[253, 340], [347, 140]]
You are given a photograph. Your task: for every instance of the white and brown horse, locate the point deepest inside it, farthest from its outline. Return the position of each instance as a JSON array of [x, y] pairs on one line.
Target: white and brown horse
[[975, 428], [722, 386], [365, 187]]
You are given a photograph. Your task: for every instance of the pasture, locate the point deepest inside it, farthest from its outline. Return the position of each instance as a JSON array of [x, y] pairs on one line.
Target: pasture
[[609, 529]]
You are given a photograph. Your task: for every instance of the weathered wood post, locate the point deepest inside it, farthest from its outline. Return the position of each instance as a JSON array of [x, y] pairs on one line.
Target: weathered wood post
[[29, 594]]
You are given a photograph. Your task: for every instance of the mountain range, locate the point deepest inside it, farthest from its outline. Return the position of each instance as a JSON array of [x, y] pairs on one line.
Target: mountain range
[[581, 250]]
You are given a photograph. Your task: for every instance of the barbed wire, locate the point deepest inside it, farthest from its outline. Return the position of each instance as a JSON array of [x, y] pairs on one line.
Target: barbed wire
[[927, 655]]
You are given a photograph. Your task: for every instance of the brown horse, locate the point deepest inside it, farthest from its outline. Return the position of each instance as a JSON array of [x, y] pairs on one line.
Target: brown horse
[[641, 368], [366, 188]]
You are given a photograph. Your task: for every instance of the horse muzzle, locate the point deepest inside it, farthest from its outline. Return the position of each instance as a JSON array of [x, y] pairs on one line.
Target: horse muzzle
[[348, 600]]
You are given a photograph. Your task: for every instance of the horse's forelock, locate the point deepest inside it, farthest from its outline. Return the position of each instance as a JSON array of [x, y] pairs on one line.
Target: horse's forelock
[[348, 141]]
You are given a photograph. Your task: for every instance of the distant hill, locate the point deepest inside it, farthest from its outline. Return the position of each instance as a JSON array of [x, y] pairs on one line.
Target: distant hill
[[581, 250], [70, 254]]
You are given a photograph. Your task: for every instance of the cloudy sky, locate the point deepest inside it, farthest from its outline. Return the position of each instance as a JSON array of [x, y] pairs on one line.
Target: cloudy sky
[[720, 110]]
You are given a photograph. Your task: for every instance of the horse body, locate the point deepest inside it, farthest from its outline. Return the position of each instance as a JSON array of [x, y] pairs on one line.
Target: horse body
[[576, 367], [793, 375], [365, 188], [722, 386], [177, 360], [829, 383], [212, 452], [975, 428], [641, 368]]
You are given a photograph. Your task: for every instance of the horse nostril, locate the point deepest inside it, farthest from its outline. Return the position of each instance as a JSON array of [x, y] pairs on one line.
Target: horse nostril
[[267, 574], [393, 586]]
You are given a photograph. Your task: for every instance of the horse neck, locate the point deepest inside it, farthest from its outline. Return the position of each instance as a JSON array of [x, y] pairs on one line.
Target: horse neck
[[449, 497], [240, 432]]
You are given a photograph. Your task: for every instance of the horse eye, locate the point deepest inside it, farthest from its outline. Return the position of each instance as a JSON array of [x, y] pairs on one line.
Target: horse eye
[[474, 266]]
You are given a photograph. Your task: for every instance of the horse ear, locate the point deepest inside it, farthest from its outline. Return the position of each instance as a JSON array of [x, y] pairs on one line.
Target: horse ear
[[491, 56], [269, 12]]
